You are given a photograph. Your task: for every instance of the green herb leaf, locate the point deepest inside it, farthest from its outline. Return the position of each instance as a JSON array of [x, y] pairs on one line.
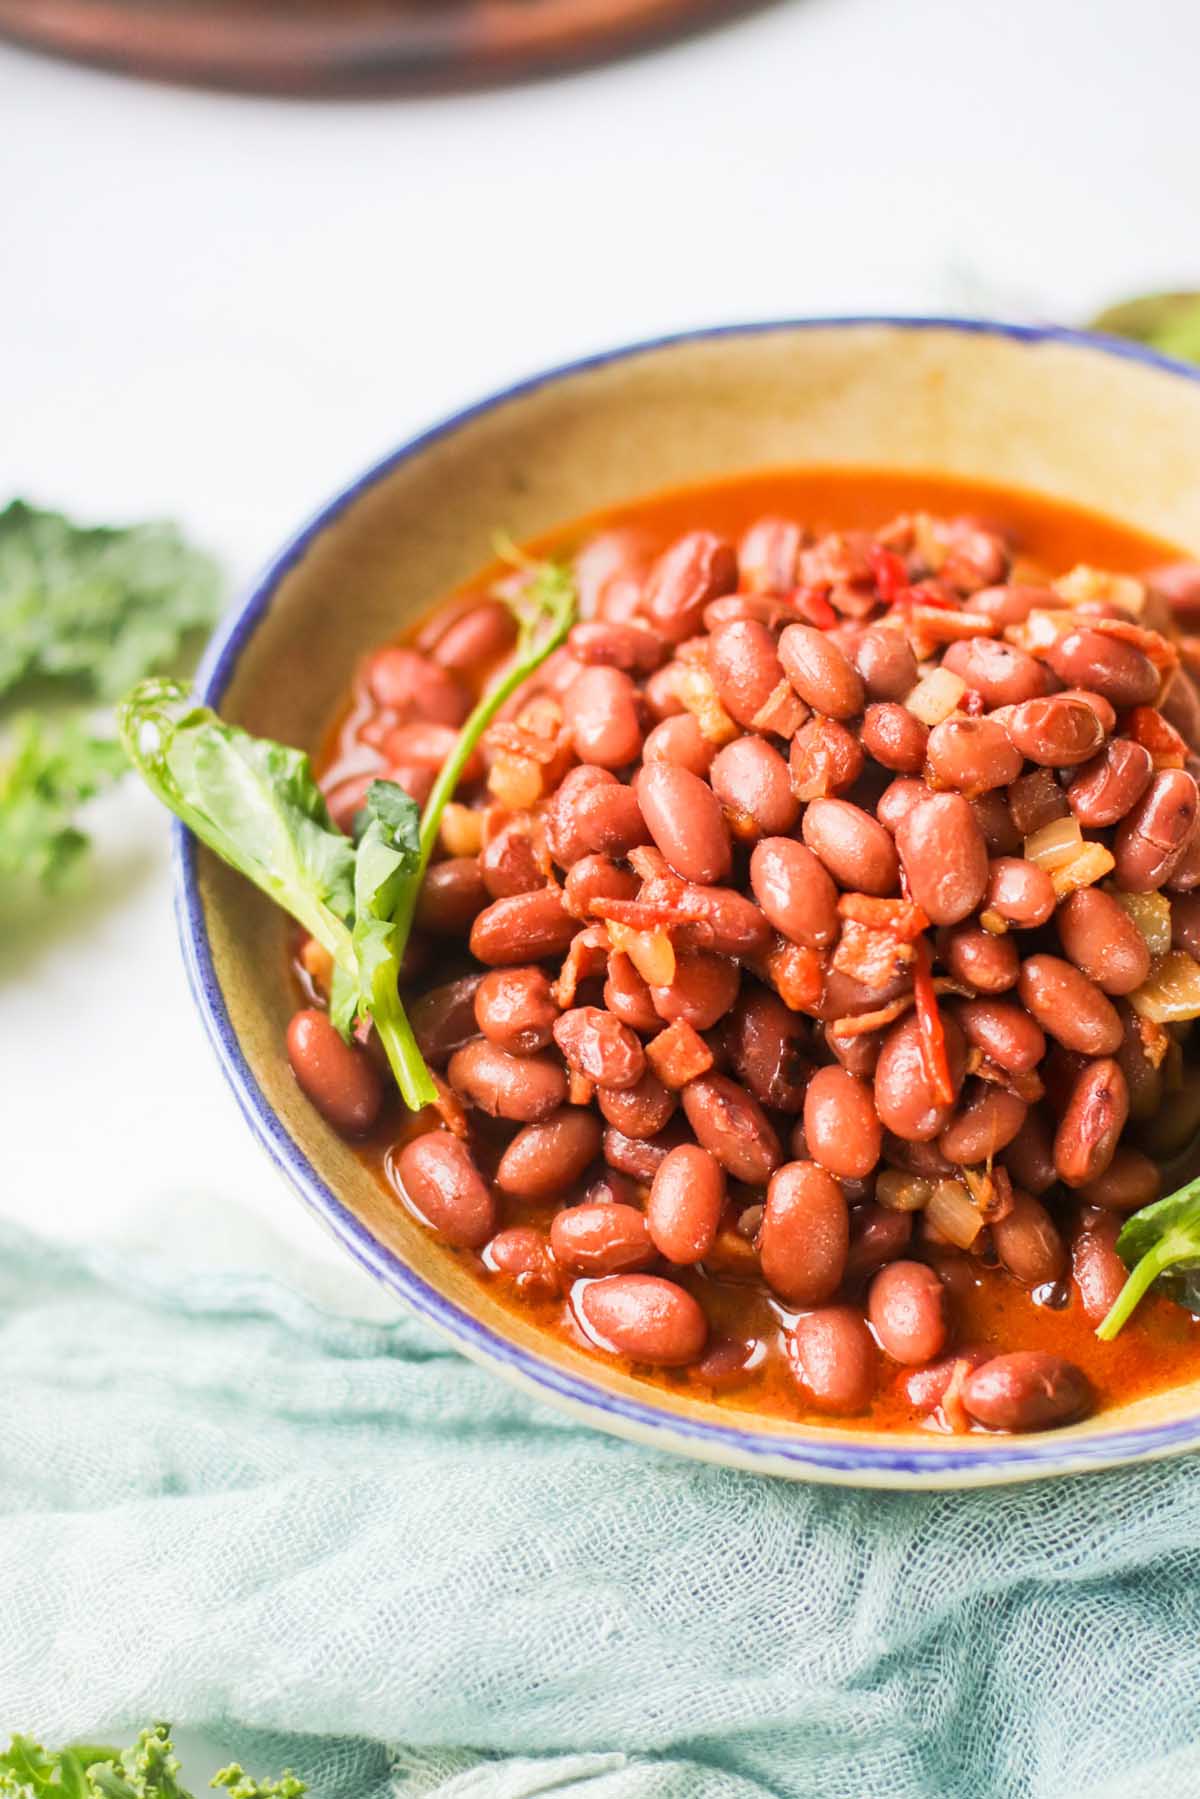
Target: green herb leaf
[[150, 1770], [1166, 322], [1159, 1243], [97, 607], [46, 773], [382, 869]]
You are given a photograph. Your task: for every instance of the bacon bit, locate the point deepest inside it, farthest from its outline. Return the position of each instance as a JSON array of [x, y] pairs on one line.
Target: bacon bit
[[1147, 726], [888, 573], [505, 738], [797, 974], [579, 1089], [872, 957], [812, 604], [782, 712], [824, 758], [1153, 644], [933, 1036], [449, 1106], [678, 1055], [861, 1024], [638, 914], [932, 626], [651, 952], [587, 956], [1156, 1040], [647, 862], [901, 918], [543, 715]]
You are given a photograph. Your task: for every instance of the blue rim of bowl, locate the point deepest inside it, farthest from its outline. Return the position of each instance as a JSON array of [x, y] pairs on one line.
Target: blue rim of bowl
[[1003, 1459]]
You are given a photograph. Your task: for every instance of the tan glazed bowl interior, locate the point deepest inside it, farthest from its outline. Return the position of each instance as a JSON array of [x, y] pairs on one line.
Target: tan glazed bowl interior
[[1075, 418]]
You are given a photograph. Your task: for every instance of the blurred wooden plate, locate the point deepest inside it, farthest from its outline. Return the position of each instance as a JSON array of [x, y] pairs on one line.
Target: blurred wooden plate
[[349, 46]]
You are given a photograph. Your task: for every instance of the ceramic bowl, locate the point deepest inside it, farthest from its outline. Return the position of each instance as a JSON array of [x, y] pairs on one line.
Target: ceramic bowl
[[1078, 418]]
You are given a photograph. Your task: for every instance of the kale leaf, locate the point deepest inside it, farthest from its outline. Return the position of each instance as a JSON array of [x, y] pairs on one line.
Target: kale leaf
[[48, 770], [150, 1770]]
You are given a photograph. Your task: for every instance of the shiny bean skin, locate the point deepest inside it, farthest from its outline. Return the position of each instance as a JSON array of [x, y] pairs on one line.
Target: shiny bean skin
[[509, 864], [1056, 732], [825, 758], [544, 1159], [1028, 1243], [763, 1039], [412, 686], [834, 1359], [598, 1046], [565, 837], [732, 1126], [1068, 1006], [684, 818], [522, 1255], [1130, 1182], [767, 555], [423, 744], [820, 672], [524, 1088], [639, 1157], [1153, 836], [646, 1319], [1003, 674], [1111, 784], [996, 824], [437, 1173], [885, 663], [1185, 925], [476, 637], [898, 799], [853, 846], [1174, 1126], [1021, 892], [1179, 704], [443, 1019], [751, 779], [804, 1238], [972, 755], [723, 920], [876, 1236], [795, 891], [1102, 940], [626, 994], [985, 1126], [944, 856], [1027, 1390], [840, 1123], [452, 896], [596, 877], [600, 1238], [338, 1077], [685, 1204], [1119, 671], [1029, 1158], [515, 1010], [1035, 800], [894, 738], [680, 740], [1005, 1033], [989, 964], [903, 1098], [1091, 1123], [745, 667], [704, 988], [1011, 605], [1098, 1270], [600, 709], [1186, 873], [1099, 705], [696, 569], [907, 1311], [640, 1111], [617, 643], [608, 819], [525, 927]]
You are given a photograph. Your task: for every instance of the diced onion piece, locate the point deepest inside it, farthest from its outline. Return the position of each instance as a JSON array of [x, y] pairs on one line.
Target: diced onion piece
[[950, 1211], [461, 829], [1090, 865], [1041, 630], [992, 922], [694, 688], [936, 697], [317, 964], [1173, 991], [1083, 584], [515, 781], [1055, 844], [651, 952], [1151, 913], [900, 1192]]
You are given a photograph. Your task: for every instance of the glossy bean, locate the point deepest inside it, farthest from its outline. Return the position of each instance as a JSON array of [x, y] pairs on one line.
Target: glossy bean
[[841, 1124], [452, 896], [898, 799], [722, 920], [997, 827], [521, 1255], [885, 663], [904, 1098], [854, 847], [1029, 1158], [766, 1050], [1110, 784], [608, 819], [509, 864], [684, 818], [1005, 1033], [1098, 1270], [876, 1236], [1028, 1243], [1101, 939], [795, 891], [732, 1126], [1029, 1389], [545, 1158], [696, 569], [601, 712], [1091, 1123], [1154, 834], [944, 857], [972, 755], [640, 1111], [626, 994], [413, 686], [751, 780], [704, 988], [906, 1307], [984, 1126], [1011, 604], [437, 1174], [820, 672], [987, 963], [1106, 665], [338, 1077], [1056, 732], [1130, 1182], [1000, 672], [1020, 892], [597, 1045], [522, 1088], [515, 1010], [1068, 1006], [895, 739], [745, 667], [834, 1360], [639, 1157], [617, 643], [645, 1318], [525, 927], [596, 877], [680, 740], [804, 1238], [598, 1238], [443, 1019], [685, 1204], [825, 758], [476, 637]]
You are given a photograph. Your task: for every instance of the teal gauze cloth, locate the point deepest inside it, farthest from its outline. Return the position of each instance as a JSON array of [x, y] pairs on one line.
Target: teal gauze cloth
[[336, 1544]]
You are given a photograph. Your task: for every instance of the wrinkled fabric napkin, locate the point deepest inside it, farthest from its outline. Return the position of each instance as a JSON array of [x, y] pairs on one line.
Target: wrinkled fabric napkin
[[341, 1546]]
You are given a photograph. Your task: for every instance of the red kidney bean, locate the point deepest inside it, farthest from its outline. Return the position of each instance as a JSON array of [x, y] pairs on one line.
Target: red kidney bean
[[1036, 800], [515, 1010], [745, 667], [639, 1157], [859, 1054], [885, 663], [1005, 1033], [600, 710], [944, 857], [903, 1097], [853, 846], [804, 1238], [898, 799], [1029, 1158], [612, 561], [825, 758], [1091, 1123], [626, 994], [611, 1188], [795, 891], [525, 927], [1069, 1007], [733, 1127], [523, 1088], [640, 1111], [338, 1077], [927, 1388], [696, 569], [972, 755], [840, 1122], [1099, 1272], [684, 817], [1021, 892], [1130, 1182], [894, 738], [608, 819], [727, 1360], [444, 1018], [991, 813], [439, 1177], [876, 1236], [646, 1319], [617, 643], [1102, 940], [598, 1046], [509, 864], [907, 1311], [989, 964], [413, 686], [660, 692], [598, 1238], [985, 1125], [1174, 1127], [544, 1159], [723, 920], [820, 672], [476, 637], [1185, 925], [750, 778], [768, 553], [424, 744], [833, 1357], [565, 836], [763, 1038], [1106, 665], [596, 877], [1153, 836], [1001, 673], [1179, 704], [521, 1254], [1186, 873], [1012, 604], [1028, 1243], [1027, 1390], [1057, 732], [704, 988], [452, 896], [1099, 705], [680, 740], [685, 1204]]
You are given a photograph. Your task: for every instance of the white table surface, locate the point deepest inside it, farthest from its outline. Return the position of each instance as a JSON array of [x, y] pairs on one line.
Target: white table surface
[[219, 308]]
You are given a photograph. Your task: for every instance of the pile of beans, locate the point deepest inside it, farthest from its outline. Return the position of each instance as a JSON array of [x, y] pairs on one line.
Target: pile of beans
[[801, 913]]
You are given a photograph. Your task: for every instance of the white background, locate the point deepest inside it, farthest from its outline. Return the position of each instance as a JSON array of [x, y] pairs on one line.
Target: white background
[[218, 309]]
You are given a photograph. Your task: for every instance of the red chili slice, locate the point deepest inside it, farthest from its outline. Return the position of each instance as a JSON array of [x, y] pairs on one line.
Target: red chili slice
[[933, 1037]]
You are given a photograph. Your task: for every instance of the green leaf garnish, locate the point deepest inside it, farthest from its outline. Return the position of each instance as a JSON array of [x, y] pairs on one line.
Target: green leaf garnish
[[1162, 1240], [150, 1770], [47, 771], [1166, 322]]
